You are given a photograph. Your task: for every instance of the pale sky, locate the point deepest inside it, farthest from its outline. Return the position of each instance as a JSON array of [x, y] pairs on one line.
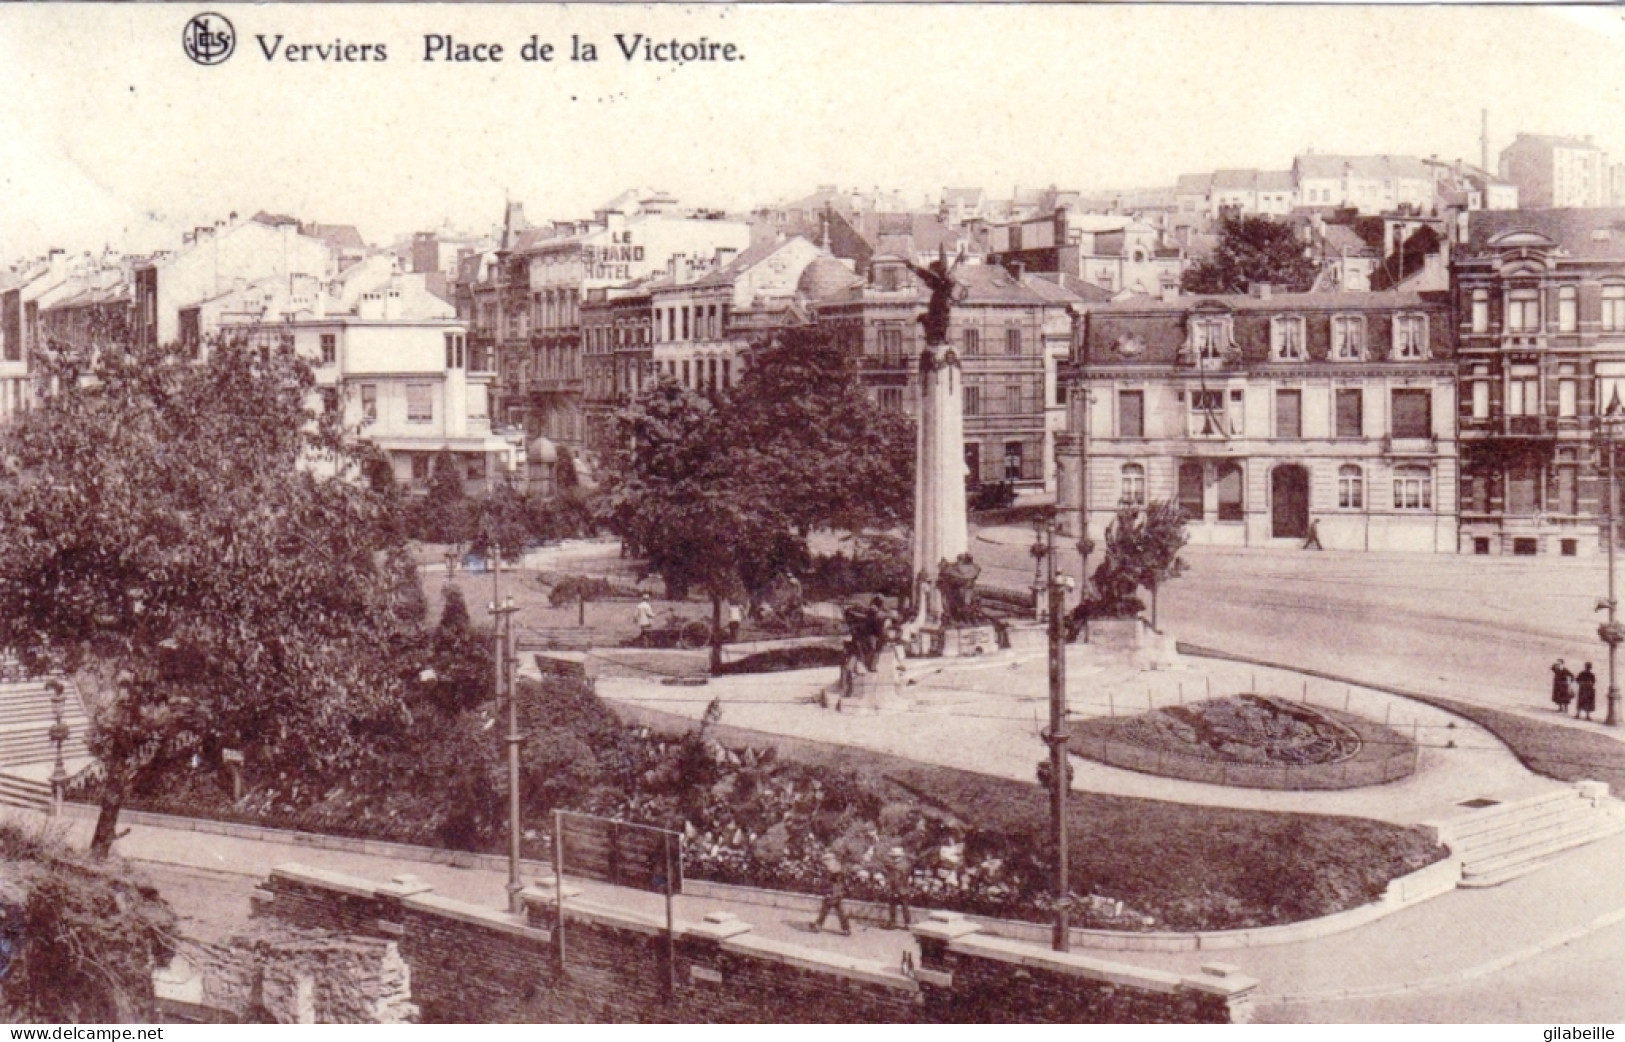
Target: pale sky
[[109, 134]]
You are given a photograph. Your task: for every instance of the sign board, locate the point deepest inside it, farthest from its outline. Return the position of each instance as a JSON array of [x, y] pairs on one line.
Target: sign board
[[636, 856]]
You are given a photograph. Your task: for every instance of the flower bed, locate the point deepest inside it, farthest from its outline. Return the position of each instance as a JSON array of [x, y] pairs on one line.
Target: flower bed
[[1253, 742]]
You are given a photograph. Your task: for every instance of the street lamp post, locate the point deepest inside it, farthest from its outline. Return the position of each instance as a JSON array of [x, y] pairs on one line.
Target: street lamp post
[[1056, 734], [1611, 633], [507, 689], [59, 735]]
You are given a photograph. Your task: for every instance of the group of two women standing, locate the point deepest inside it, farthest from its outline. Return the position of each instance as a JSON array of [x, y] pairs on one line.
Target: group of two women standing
[[1580, 689]]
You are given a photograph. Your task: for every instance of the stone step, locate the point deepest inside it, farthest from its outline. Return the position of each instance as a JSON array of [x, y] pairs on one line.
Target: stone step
[[1536, 838], [1541, 818], [1497, 870], [1468, 824]]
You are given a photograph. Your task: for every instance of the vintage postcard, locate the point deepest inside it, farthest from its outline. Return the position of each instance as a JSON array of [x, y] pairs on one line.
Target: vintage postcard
[[813, 513]]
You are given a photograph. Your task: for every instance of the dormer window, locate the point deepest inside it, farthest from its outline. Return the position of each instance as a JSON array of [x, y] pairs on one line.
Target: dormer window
[[1287, 338], [1348, 338], [1209, 339], [1410, 337]]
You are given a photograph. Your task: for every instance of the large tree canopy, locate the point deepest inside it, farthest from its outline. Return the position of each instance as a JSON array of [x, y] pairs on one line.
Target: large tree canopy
[[721, 492], [188, 539], [1252, 249]]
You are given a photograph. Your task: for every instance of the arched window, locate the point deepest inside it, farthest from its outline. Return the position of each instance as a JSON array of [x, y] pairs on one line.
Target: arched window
[[1230, 491], [1350, 487], [1133, 486], [1190, 489]]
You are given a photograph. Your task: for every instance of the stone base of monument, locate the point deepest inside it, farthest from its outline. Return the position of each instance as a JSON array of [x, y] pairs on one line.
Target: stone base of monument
[[1027, 636], [868, 694], [1134, 640], [955, 641]]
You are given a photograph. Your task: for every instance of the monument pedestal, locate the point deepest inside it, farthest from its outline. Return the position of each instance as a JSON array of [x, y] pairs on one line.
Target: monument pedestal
[[1027, 636], [869, 694], [955, 641], [1134, 640]]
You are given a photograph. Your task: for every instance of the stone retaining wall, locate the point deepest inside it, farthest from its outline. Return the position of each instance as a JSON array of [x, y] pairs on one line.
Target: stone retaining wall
[[471, 964]]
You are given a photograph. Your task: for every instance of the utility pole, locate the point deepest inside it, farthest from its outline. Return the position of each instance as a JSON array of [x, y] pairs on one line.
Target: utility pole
[[1611, 632], [1056, 735], [502, 616]]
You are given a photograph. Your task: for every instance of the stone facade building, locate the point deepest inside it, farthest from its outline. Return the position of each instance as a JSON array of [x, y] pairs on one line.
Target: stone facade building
[[1265, 414], [1540, 301]]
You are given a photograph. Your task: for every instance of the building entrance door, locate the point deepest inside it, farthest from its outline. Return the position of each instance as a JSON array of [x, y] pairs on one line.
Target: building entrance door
[[1289, 502]]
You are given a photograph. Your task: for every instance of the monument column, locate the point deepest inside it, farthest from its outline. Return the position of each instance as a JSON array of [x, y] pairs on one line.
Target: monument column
[[939, 476]]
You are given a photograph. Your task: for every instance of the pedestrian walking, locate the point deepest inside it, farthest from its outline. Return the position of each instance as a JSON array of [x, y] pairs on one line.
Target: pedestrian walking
[[1586, 702], [1313, 542], [1562, 686], [834, 894], [645, 618], [898, 871], [736, 618]]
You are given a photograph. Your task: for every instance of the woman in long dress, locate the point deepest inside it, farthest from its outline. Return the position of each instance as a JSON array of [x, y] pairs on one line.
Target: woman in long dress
[[1562, 689], [1587, 701]]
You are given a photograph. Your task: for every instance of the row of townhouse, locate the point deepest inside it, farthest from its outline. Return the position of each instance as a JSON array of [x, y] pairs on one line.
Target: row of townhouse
[[1474, 420], [1365, 184], [386, 350]]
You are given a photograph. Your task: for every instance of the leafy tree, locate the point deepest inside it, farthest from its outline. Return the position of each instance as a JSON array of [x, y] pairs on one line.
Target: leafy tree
[[1142, 549], [801, 422], [580, 589], [500, 523], [1252, 249], [186, 538], [676, 492], [444, 513]]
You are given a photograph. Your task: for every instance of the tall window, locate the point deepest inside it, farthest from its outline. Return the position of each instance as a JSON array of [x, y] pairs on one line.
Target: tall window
[[1012, 341], [973, 341], [1413, 414], [1568, 391], [1012, 399], [1481, 399], [1350, 487], [1348, 338], [1207, 417], [891, 345], [1410, 337], [419, 403], [1286, 338], [330, 348], [1131, 414], [1523, 311], [1350, 413], [1523, 391], [1209, 338], [1413, 488], [1133, 494], [1230, 489], [1481, 310], [369, 403], [1613, 308], [891, 398], [973, 400], [1568, 310], [1190, 489], [1289, 414], [1012, 461]]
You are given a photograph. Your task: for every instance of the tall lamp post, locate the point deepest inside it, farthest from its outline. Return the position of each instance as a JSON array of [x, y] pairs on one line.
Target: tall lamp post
[[1056, 734], [502, 615], [59, 735], [1611, 632]]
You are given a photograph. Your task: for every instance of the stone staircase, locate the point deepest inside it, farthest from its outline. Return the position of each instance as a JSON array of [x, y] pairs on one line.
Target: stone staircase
[[26, 750], [1497, 842]]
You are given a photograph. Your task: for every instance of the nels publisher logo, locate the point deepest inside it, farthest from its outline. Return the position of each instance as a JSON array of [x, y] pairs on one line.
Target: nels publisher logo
[[209, 39]]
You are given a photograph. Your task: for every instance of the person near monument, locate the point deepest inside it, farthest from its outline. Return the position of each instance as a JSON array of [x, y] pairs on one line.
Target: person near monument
[[834, 894], [898, 874], [1562, 686], [1586, 701], [736, 618]]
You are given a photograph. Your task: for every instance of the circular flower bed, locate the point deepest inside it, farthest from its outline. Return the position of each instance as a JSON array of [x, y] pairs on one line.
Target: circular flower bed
[[1251, 741]]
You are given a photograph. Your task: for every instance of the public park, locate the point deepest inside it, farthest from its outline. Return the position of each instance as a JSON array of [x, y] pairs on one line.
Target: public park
[[1180, 782]]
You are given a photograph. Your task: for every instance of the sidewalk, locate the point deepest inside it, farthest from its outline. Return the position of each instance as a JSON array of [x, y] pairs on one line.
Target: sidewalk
[[1462, 936]]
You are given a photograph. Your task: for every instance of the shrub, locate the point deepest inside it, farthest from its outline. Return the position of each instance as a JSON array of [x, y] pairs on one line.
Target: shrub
[[992, 495]]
